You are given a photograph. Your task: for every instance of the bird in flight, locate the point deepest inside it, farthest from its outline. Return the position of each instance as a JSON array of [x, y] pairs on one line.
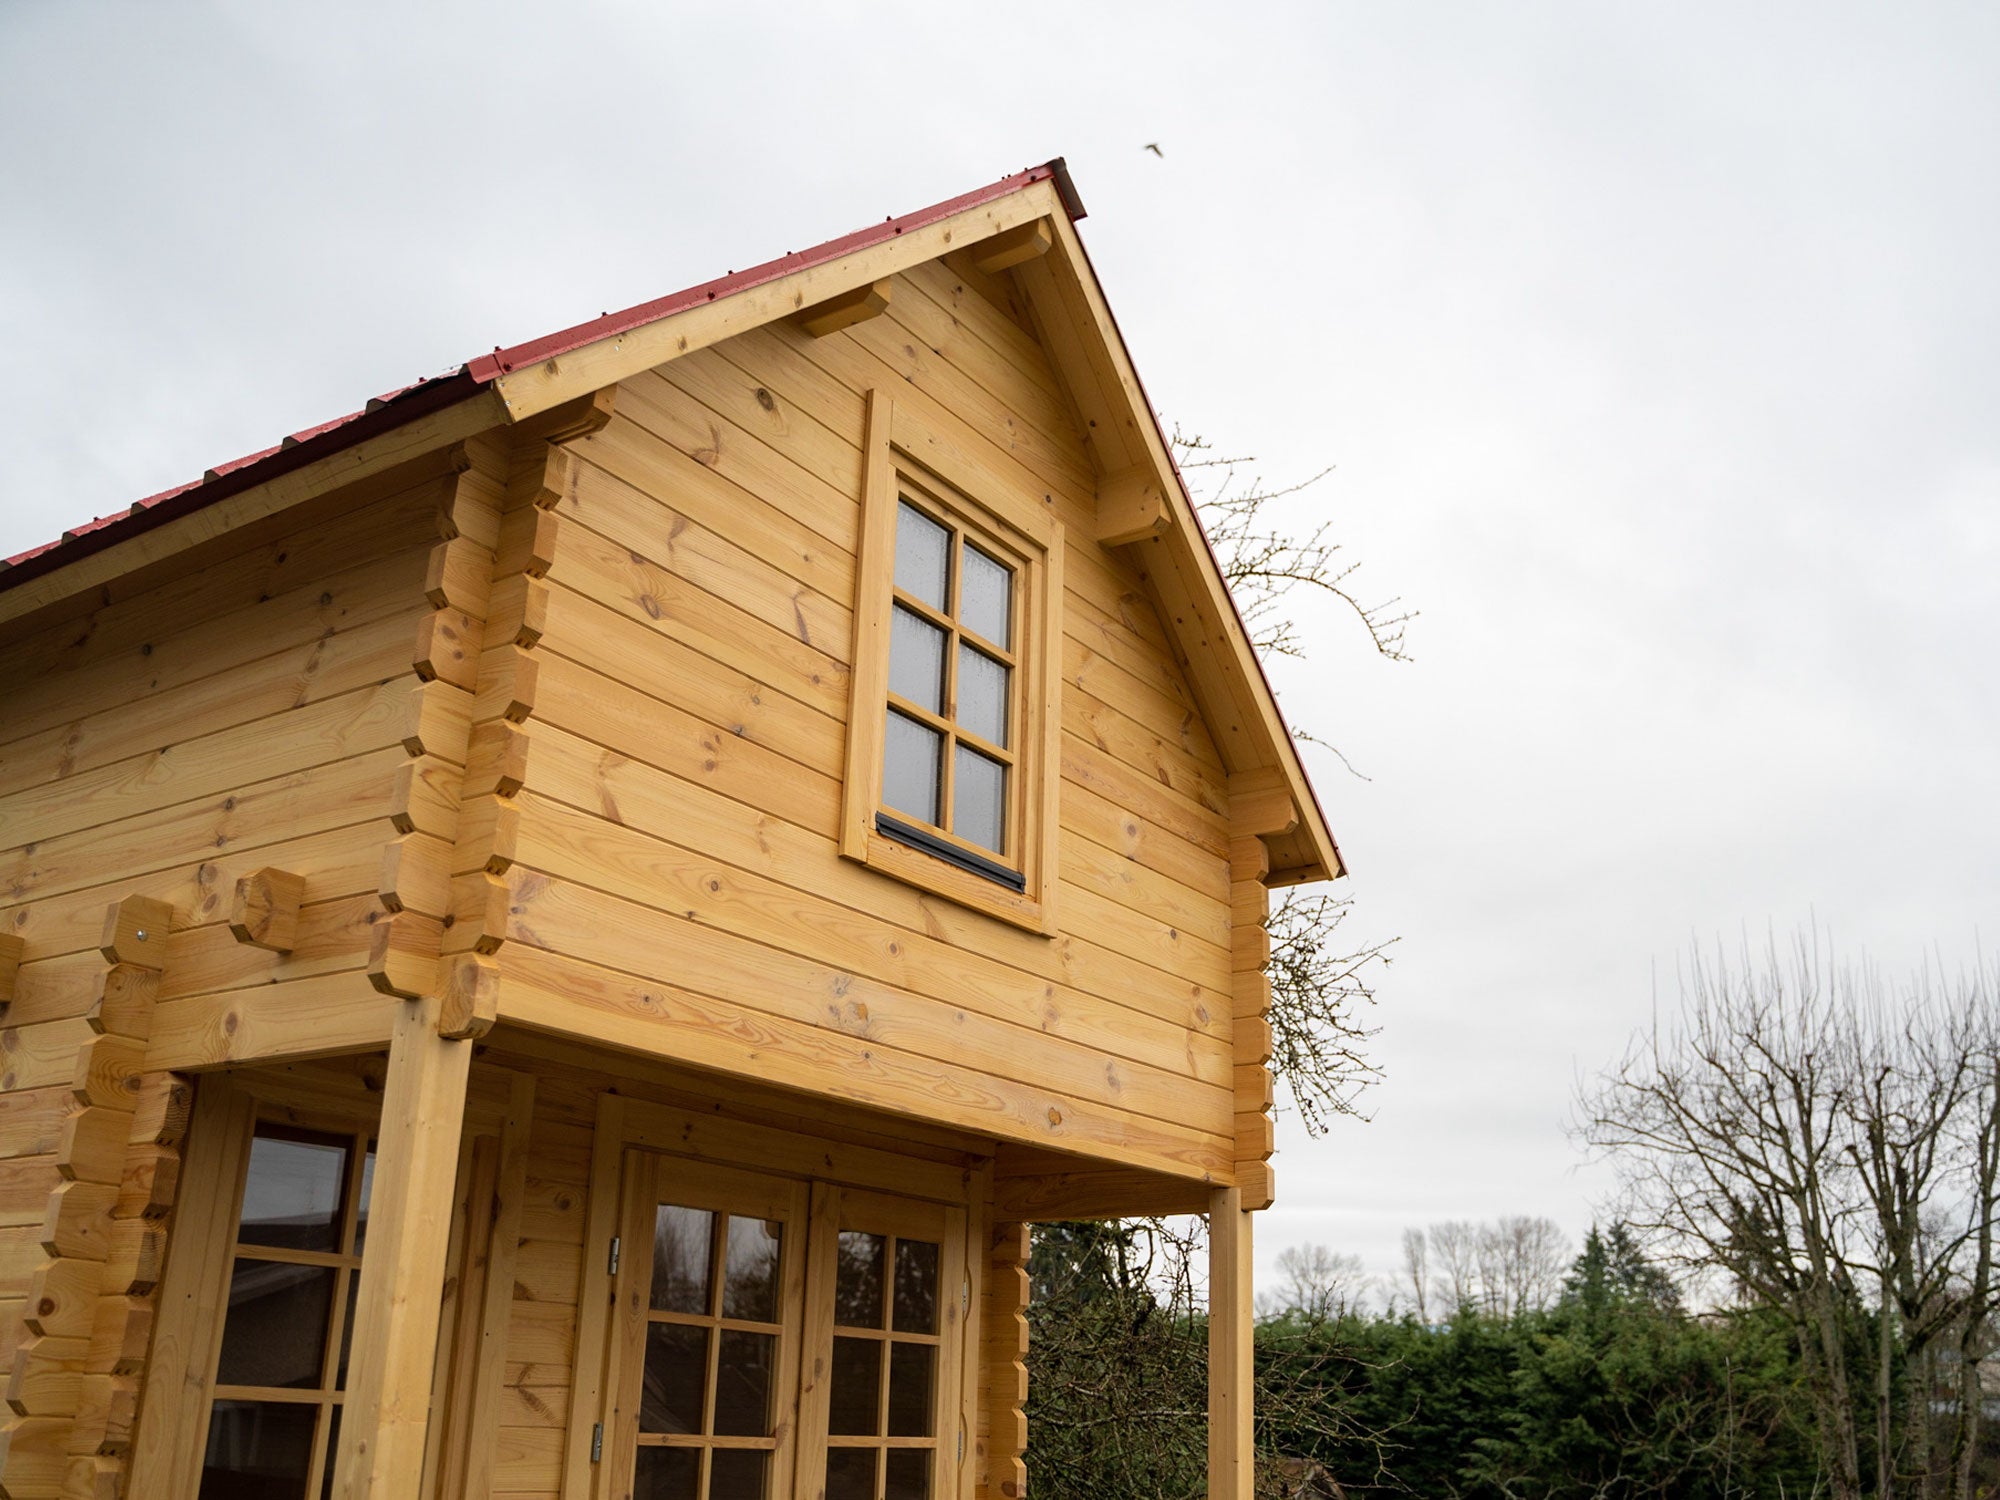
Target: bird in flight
[[1154, 147]]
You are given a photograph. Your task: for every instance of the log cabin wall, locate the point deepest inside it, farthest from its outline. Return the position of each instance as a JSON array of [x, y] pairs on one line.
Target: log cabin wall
[[676, 884], [248, 707]]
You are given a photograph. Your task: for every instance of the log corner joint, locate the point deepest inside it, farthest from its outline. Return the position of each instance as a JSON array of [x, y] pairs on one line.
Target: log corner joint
[[266, 909]]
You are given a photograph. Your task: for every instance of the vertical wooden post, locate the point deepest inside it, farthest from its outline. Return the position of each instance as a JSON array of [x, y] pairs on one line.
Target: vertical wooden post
[[1004, 1367], [387, 1418], [1232, 1467]]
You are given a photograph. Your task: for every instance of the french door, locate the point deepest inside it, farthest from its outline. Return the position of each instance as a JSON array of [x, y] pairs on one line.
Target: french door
[[778, 1339]]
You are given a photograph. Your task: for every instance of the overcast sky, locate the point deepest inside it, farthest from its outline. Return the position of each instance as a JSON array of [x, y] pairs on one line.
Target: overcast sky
[[1655, 347]]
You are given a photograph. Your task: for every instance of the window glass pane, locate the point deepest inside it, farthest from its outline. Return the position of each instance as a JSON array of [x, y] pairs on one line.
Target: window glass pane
[[743, 1383], [857, 1285], [683, 1241], [274, 1333], [916, 660], [910, 1370], [347, 1328], [676, 1373], [909, 1474], [850, 1474], [291, 1195], [916, 1286], [258, 1448], [923, 555], [667, 1474], [750, 1270], [987, 605], [367, 1193], [738, 1474], [332, 1449], [982, 695], [911, 760], [979, 800], [855, 1398]]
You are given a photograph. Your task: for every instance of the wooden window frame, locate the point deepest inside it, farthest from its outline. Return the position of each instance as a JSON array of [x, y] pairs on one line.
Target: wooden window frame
[[653, 1177], [903, 456], [953, 1417], [178, 1392], [204, 1247]]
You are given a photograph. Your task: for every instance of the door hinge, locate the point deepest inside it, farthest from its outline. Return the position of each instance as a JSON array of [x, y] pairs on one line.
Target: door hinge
[[961, 1442], [965, 1295], [615, 1243], [597, 1443]]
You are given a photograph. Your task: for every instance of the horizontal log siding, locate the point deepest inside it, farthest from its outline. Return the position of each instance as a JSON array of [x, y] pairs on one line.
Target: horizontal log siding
[[250, 711], [676, 867]]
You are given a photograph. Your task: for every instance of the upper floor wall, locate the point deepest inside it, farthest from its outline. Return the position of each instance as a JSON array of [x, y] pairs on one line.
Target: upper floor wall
[[679, 865]]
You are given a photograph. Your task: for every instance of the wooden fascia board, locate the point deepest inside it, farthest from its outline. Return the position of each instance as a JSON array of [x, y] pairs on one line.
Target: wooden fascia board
[[360, 460], [552, 381], [1066, 271]]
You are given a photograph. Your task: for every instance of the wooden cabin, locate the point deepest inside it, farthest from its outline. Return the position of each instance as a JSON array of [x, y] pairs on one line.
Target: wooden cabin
[[559, 929]]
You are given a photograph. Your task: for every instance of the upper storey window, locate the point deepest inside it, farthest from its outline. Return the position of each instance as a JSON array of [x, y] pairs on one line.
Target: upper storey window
[[948, 762], [953, 732]]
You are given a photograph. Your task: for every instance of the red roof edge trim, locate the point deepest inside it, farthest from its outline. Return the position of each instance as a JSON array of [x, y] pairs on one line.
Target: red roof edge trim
[[504, 361]]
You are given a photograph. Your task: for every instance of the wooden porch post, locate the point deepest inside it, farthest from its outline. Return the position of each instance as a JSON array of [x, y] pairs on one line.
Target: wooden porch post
[[1232, 1469], [387, 1416]]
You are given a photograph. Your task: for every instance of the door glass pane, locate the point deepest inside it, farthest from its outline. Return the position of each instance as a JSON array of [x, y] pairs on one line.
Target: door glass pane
[[367, 1193], [855, 1399], [909, 1474], [916, 660], [291, 1194], [850, 1474], [743, 1383], [916, 1286], [750, 1270], [987, 589], [332, 1451], [738, 1474], [923, 555], [258, 1448], [910, 1371], [683, 1239], [676, 1373], [982, 695], [667, 1474], [910, 763], [347, 1327], [275, 1331], [857, 1287], [979, 800]]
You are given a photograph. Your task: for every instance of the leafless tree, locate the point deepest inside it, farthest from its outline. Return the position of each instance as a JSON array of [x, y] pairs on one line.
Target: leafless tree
[[1521, 1261], [1455, 1245], [1319, 985], [1417, 1272], [1318, 1284], [1266, 563], [1827, 1143]]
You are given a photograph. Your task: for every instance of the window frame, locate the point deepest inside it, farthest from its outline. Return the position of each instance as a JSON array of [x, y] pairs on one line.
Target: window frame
[[205, 1232], [905, 456]]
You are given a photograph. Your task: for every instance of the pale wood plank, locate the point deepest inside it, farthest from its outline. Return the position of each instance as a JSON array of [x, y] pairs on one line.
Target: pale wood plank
[[548, 992], [387, 1413]]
